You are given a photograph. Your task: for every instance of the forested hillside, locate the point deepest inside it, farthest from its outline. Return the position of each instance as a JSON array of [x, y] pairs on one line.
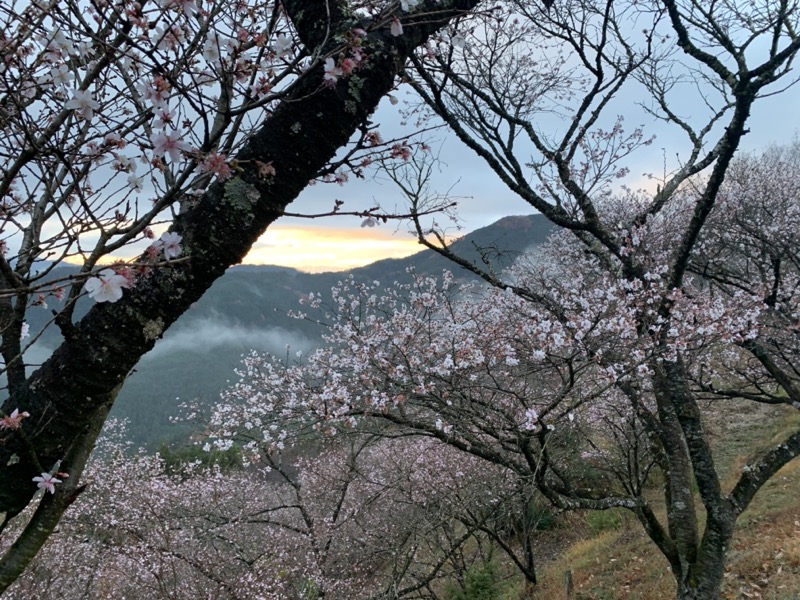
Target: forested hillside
[[247, 309]]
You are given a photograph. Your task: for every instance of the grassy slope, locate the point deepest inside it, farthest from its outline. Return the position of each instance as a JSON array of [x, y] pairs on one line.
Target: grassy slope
[[616, 561]]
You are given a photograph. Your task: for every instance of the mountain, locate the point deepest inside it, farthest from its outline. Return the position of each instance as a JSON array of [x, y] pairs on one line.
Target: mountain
[[246, 310], [500, 243]]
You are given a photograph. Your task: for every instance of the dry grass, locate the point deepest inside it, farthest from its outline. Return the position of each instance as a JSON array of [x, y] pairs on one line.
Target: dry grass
[[764, 559], [763, 562], [618, 564]]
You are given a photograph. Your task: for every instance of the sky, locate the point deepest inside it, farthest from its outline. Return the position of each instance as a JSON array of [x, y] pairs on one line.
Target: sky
[[340, 243], [316, 247]]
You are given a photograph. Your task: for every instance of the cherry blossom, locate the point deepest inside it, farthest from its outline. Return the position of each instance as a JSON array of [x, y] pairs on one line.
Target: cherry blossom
[[261, 88], [531, 419], [60, 42], [216, 164], [124, 164], [135, 182], [157, 92], [458, 40], [164, 117], [170, 143], [211, 48], [46, 482], [332, 71], [14, 420], [282, 45], [170, 244], [84, 103], [61, 75], [188, 7], [401, 150], [106, 286], [396, 27]]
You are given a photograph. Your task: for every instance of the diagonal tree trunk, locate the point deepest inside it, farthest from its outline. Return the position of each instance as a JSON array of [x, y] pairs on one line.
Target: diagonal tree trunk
[[303, 134]]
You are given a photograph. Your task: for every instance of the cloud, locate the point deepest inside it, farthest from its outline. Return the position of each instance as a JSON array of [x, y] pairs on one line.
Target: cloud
[[206, 335]]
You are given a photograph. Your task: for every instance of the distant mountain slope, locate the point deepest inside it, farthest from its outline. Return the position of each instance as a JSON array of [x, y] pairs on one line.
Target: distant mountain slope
[[259, 296], [501, 243], [246, 309]]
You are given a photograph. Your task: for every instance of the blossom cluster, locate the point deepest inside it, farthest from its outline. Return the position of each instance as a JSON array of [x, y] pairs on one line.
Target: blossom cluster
[[377, 506], [108, 284], [14, 420], [576, 343]]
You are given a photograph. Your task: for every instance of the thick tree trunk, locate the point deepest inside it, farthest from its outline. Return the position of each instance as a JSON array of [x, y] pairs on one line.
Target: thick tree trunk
[[707, 586], [301, 136], [701, 561]]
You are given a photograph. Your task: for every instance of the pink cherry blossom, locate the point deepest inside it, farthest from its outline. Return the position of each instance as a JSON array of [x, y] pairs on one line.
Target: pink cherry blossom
[[135, 183], [170, 244], [348, 66], [211, 48], [531, 419], [83, 102], [61, 75], [169, 143], [332, 72], [46, 482], [106, 286], [401, 150], [458, 40], [157, 92], [282, 45], [14, 420], [261, 88], [189, 7], [164, 117], [396, 27], [60, 44], [216, 164]]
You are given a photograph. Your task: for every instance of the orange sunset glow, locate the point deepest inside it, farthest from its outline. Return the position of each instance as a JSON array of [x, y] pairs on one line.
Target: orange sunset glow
[[309, 249], [319, 249]]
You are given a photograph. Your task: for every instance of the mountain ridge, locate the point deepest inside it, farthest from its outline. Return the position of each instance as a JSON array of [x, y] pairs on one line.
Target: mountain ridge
[[247, 308]]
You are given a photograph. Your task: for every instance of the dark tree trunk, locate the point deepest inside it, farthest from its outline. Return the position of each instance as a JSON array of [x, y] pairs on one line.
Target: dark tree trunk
[[301, 136]]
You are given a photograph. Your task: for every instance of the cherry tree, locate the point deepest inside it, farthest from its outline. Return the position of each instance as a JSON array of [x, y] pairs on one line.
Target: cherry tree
[[462, 498], [421, 361], [698, 272], [605, 350], [179, 130], [353, 519], [571, 375]]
